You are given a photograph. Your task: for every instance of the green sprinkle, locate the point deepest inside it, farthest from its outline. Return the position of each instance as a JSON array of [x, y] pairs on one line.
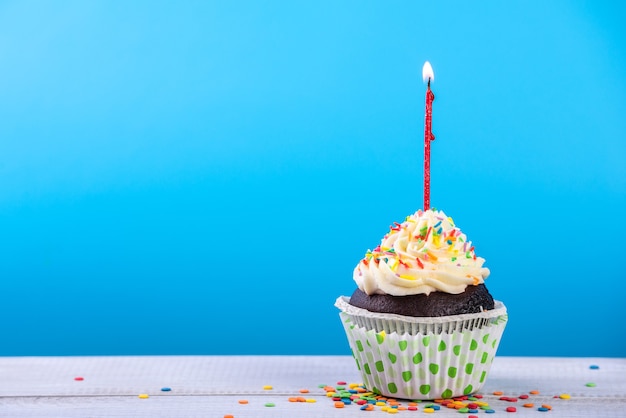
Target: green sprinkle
[[590, 385], [270, 404], [453, 259], [467, 255]]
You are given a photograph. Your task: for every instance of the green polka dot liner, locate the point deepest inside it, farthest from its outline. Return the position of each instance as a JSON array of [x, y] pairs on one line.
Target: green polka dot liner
[[423, 358]]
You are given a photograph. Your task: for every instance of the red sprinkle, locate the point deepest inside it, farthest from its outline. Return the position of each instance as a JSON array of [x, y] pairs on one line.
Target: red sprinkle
[[79, 378], [523, 396], [511, 409], [412, 408]]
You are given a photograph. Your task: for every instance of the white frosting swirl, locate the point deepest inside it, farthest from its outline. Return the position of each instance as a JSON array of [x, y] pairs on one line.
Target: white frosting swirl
[[423, 254]]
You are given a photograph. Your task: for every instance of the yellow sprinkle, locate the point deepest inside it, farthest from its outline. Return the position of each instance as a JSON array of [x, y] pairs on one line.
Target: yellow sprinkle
[[384, 408], [429, 410], [404, 276], [564, 396], [380, 404], [144, 396], [481, 403], [330, 394], [311, 400], [431, 256], [353, 385], [392, 411], [267, 387]]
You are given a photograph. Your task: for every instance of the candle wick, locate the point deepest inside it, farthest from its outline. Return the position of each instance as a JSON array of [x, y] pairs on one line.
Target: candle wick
[[428, 82]]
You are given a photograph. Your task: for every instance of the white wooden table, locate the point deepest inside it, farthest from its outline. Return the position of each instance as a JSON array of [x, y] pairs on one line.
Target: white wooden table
[[211, 386]]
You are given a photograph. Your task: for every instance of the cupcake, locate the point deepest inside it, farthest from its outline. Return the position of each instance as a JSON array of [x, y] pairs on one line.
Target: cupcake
[[421, 323]]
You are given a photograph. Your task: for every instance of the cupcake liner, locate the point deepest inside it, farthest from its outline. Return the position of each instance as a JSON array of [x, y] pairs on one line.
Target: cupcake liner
[[423, 358]]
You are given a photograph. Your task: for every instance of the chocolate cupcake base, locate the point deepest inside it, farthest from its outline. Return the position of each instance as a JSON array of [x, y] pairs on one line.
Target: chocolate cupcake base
[[475, 299]]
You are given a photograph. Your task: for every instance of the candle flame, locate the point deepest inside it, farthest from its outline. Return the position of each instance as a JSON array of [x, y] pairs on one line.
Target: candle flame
[[427, 72]]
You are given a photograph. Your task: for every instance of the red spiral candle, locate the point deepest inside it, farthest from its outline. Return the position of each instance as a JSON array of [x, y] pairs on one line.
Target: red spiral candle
[[428, 76]]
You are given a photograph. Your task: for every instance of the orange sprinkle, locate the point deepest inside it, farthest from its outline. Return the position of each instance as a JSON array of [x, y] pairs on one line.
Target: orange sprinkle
[[534, 392], [412, 403], [304, 391], [243, 401], [292, 400], [339, 404], [300, 399], [528, 405], [229, 416], [546, 406], [498, 393]]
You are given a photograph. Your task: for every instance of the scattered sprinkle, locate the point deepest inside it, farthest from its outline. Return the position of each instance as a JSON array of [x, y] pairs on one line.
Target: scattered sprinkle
[[267, 387], [429, 410], [229, 416], [144, 396], [243, 401], [528, 405], [270, 404], [564, 396], [534, 392], [511, 409], [594, 367], [590, 385], [79, 379], [166, 389], [542, 409], [498, 393], [546, 406]]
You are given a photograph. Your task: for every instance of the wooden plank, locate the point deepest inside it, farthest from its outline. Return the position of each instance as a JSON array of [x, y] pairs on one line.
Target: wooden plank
[[210, 386]]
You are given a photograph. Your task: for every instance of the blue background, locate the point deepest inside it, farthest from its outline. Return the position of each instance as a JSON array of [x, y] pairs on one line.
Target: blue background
[[176, 177]]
